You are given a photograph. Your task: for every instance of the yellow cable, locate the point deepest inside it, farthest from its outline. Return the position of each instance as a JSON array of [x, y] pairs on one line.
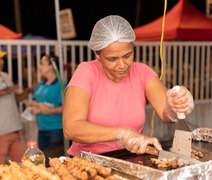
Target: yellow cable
[[161, 57], [161, 39]]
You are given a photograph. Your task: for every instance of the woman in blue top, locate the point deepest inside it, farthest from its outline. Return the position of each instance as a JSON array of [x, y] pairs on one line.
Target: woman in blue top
[[47, 104]]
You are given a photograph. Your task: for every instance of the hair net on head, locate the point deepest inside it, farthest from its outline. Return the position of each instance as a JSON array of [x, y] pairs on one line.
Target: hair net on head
[[110, 29]]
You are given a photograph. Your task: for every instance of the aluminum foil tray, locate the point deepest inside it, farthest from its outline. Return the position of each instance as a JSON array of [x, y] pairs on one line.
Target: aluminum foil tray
[[202, 134], [128, 170]]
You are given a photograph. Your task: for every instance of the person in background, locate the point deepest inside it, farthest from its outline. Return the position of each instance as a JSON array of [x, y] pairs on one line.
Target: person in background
[[46, 104], [104, 106], [11, 139]]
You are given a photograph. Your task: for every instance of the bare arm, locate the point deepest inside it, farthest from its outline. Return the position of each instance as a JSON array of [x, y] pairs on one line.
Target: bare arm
[[75, 122], [77, 127], [8, 90], [4, 92], [156, 95], [23, 95], [168, 102], [44, 108]]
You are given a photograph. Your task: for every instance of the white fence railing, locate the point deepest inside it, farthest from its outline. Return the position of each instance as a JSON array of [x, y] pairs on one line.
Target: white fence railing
[[185, 63]]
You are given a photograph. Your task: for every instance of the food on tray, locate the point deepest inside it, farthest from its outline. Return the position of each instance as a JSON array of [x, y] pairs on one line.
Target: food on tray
[[39, 170], [79, 168], [174, 162], [196, 154], [167, 164], [27, 171], [68, 169], [202, 134]]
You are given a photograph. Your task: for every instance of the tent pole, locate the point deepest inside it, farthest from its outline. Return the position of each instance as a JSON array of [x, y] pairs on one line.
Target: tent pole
[[17, 10], [59, 41], [137, 12], [60, 55]]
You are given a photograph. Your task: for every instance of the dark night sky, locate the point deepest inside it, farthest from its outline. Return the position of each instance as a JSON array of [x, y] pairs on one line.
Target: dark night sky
[[38, 16]]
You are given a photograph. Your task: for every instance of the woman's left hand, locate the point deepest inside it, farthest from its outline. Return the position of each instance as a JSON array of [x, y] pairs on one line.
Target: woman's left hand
[[180, 100]]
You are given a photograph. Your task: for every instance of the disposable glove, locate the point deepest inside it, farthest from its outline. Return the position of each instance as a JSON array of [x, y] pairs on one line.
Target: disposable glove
[[179, 101], [136, 142]]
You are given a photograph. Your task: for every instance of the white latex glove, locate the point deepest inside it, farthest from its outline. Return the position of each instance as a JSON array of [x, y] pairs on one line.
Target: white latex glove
[[179, 101], [136, 142]]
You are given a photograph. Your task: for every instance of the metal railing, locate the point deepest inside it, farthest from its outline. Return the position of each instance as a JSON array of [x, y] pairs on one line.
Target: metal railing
[[185, 63]]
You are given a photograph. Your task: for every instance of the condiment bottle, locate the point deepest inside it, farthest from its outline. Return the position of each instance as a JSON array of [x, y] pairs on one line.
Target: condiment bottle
[[34, 154]]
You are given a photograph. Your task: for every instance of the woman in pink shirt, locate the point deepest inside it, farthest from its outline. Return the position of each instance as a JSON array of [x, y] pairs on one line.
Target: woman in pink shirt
[[104, 107]]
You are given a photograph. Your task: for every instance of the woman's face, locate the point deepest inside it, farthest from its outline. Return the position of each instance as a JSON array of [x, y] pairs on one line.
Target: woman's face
[[116, 60], [45, 67]]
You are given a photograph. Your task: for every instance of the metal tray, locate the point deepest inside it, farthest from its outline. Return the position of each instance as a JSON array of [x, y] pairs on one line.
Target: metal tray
[[129, 170]]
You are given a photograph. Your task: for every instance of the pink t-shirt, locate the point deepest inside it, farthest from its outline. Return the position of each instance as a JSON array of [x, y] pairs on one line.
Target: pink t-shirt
[[112, 104]]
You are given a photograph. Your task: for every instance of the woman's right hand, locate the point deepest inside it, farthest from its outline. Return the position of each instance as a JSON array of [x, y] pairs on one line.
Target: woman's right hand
[[136, 142], [35, 107], [11, 89], [35, 110]]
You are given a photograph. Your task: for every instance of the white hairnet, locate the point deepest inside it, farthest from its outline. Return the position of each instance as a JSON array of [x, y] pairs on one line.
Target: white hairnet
[[108, 30]]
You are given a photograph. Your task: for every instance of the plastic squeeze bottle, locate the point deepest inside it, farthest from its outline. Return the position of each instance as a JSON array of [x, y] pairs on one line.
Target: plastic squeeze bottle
[[34, 154]]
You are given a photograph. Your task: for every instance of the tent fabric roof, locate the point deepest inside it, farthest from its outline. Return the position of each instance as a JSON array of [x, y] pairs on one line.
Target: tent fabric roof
[[6, 33], [182, 22]]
